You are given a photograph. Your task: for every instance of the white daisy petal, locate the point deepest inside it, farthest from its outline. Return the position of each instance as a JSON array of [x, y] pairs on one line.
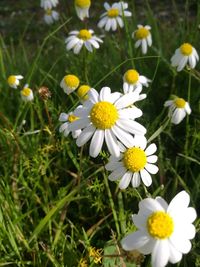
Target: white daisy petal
[[151, 150], [134, 241], [125, 181], [174, 255], [153, 169], [135, 179], [112, 143], [85, 135], [146, 177], [116, 174], [96, 143], [160, 254], [152, 159], [181, 200], [126, 138]]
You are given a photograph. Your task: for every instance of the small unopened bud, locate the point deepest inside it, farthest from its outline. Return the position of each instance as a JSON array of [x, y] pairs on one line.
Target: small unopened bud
[[44, 93]]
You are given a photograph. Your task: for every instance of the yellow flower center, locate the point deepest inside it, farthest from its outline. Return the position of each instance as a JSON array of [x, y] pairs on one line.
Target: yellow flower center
[[48, 12], [83, 3], [141, 33], [82, 91], [131, 76], [26, 91], [186, 49], [103, 115], [71, 81], [113, 13], [11, 80], [160, 225], [179, 102], [84, 35], [72, 118], [134, 159]]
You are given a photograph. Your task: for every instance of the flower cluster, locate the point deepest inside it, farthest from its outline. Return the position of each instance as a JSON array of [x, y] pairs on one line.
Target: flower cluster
[[50, 15], [26, 92]]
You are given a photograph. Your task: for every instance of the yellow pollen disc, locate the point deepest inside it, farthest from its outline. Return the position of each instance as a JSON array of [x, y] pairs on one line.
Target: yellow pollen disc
[[141, 33], [131, 76], [160, 225], [71, 81], [103, 115], [26, 91], [48, 12], [11, 79], [113, 13], [134, 159], [82, 91], [186, 49], [84, 35], [72, 118], [179, 102], [83, 3]]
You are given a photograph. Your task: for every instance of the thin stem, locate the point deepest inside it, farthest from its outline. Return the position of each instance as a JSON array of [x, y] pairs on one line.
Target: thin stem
[[187, 118], [111, 203]]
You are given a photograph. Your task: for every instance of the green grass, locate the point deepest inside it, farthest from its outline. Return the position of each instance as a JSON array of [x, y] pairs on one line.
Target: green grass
[[55, 201]]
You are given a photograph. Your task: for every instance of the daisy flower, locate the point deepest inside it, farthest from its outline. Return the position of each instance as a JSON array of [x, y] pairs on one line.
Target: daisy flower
[[113, 17], [68, 119], [69, 83], [82, 8], [185, 54], [27, 94], [84, 37], [143, 37], [132, 80], [82, 92], [14, 80], [164, 230], [178, 108], [134, 164], [105, 116], [48, 4], [50, 16]]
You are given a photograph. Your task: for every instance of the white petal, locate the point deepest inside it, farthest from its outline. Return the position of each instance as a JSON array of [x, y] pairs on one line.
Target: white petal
[[77, 47], [192, 61], [88, 46], [187, 108], [120, 22], [148, 247], [178, 115], [136, 179], [180, 244], [112, 165], [146, 177], [130, 113], [112, 143], [126, 100], [104, 94], [63, 117], [162, 202], [138, 43], [152, 159], [114, 24], [102, 22], [149, 205], [134, 241], [131, 126], [153, 169], [79, 124], [93, 95], [108, 24], [125, 180], [94, 43], [150, 149], [126, 138], [72, 43], [160, 254], [180, 201], [63, 127], [144, 46], [85, 135], [117, 174], [182, 63], [96, 143], [174, 255]]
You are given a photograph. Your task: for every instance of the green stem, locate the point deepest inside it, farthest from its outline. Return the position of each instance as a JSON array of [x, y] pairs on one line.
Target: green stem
[[111, 203], [122, 217], [187, 118]]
